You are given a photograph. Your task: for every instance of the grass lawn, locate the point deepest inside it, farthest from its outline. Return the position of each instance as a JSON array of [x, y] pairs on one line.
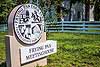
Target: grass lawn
[[2, 46], [74, 50]]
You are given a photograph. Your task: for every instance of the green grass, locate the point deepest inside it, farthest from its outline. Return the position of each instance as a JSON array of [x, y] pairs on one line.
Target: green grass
[[74, 50], [2, 46]]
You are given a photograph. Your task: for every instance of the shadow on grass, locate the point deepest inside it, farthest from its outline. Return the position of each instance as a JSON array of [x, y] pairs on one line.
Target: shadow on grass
[[3, 64]]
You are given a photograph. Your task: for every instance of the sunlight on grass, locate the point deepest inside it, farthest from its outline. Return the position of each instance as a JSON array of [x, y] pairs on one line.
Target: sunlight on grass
[[74, 50], [2, 46]]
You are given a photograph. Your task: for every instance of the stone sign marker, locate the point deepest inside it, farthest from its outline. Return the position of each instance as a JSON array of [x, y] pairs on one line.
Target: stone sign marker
[[26, 44]]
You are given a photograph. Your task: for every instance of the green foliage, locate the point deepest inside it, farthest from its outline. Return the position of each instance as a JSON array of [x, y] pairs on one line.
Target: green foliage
[[5, 8], [18, 2], [97, 11], [48, 8]]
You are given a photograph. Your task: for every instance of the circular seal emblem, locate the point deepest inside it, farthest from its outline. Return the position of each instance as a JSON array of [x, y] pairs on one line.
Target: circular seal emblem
[[28, 23]]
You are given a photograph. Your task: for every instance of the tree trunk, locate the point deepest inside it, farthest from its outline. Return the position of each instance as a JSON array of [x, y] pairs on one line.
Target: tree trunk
[[97, 11], [87, 8], [91, 17], [70, 11], [58, 13]]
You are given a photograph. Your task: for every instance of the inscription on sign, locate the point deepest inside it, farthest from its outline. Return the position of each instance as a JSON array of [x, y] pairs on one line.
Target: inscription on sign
[[38, 51]]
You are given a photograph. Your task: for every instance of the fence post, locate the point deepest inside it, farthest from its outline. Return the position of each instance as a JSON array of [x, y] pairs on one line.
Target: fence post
[[62, 26], [3, 27], [84, 26], [45, 27]]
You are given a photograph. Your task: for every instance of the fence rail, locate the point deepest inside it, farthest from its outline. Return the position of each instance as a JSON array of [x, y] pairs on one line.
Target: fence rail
[[91, 27], [3, 27], [69, 26]]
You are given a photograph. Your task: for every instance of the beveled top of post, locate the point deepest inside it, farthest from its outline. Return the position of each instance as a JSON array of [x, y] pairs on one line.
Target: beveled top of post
[[11, 19]]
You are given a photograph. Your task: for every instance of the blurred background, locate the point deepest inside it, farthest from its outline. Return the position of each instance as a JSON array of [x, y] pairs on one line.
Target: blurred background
[[57, 10]]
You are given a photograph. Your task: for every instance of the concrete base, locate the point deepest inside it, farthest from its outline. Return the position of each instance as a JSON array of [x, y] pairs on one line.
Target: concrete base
[[13, 53]]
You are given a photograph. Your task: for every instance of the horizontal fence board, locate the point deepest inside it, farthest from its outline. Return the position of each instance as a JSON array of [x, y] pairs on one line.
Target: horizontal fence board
[[76, 32], [3, 27], [74, 26], [90, 27]]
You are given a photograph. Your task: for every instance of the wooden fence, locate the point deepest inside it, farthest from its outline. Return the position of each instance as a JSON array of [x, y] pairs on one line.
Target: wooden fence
[[90, 27], [3, 27]]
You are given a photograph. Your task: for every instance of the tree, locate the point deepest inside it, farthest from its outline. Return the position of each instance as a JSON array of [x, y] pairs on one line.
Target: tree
[[71, 3], [5, 8], [96, 5], [18, 2], [97, 10], [87, 8], [51, 8], [58, 8]]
